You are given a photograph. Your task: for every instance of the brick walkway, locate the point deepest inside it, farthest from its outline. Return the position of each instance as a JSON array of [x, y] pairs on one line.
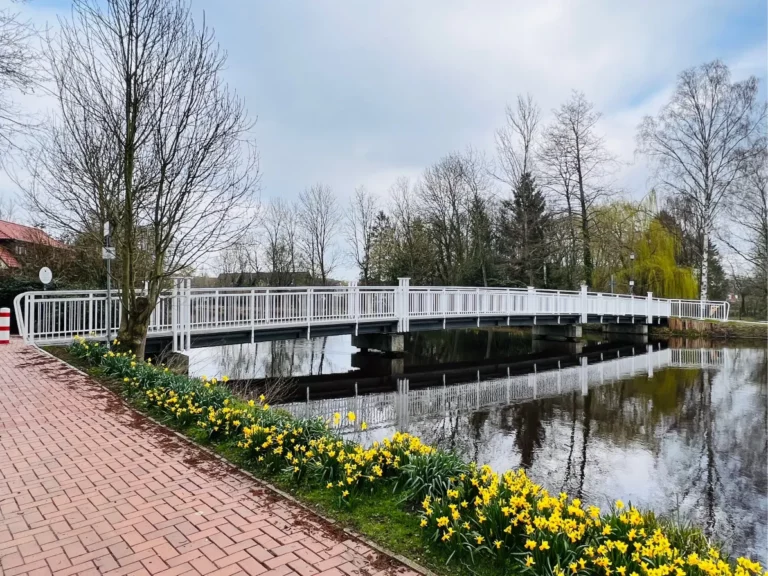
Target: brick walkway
[[88, 486]]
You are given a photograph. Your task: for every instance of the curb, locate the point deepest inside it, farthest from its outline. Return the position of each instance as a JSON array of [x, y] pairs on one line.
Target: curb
[[353, 535]]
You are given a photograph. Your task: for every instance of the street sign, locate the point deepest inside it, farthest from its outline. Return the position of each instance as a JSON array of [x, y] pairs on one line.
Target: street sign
[[45, 275], [108, 253]]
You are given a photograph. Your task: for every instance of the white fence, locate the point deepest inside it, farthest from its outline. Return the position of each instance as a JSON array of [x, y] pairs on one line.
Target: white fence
[[399, 408], [58, 316]]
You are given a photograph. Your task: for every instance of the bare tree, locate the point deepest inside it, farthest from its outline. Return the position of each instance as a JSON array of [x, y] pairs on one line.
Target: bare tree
[[320, 219], [452, 201], [578, 165], [147, 138], [280, 227], [19, 73], [701, 141], [239, 263], [515, 141], [748, 236], [360, 229]]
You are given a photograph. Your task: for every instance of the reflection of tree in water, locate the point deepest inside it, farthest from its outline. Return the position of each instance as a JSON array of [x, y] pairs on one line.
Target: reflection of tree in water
[[529, 431], [724, 477], [705, 432]]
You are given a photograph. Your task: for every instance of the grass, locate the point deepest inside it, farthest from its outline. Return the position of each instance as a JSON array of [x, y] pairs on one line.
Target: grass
[[383, 519], [715, 330]]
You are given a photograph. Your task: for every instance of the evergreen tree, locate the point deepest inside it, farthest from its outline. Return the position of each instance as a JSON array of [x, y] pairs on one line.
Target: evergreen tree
[[524, 231]]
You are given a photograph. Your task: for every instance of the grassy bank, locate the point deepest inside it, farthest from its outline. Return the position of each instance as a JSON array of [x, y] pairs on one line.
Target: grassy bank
[[421, 502], [712, 330]]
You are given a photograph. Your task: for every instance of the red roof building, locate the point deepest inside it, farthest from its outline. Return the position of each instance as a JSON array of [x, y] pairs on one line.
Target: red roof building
[[16, 238]]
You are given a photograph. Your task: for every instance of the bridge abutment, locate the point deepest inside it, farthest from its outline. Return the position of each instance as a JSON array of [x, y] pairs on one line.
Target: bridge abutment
[[380, 342], [557, 332]]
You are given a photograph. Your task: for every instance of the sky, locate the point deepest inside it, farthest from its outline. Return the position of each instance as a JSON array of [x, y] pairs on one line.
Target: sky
[[352, 93]]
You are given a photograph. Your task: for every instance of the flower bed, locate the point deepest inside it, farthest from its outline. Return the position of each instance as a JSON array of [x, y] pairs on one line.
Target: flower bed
[[472, 513]]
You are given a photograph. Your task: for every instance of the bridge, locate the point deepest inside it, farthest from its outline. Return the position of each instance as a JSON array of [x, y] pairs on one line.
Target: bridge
[[399, 408], [187, 317]]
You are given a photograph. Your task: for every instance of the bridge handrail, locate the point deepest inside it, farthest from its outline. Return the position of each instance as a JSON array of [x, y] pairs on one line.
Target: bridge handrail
[[59, 315]]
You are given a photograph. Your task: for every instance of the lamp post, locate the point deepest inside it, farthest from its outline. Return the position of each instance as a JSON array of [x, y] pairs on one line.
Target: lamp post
[[632, 273]]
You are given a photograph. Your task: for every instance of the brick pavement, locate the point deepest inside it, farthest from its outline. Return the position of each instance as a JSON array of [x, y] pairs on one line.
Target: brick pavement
[[88, 486]]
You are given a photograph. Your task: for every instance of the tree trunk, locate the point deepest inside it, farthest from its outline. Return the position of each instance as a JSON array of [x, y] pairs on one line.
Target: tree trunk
[[703, 289], [133, 327]]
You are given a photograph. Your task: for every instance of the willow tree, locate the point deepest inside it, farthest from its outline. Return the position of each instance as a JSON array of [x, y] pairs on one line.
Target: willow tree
[[146, 137], [656, 269]]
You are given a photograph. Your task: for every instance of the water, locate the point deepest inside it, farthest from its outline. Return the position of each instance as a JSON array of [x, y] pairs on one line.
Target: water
[[690, 440]]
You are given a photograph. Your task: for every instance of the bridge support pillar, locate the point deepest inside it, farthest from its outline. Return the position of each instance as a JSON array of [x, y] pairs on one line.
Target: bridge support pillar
[[557, 332], [633, 329], [381, 342]]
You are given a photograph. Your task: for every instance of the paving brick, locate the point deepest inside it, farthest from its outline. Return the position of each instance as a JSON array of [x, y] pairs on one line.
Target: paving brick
[[100, 490]]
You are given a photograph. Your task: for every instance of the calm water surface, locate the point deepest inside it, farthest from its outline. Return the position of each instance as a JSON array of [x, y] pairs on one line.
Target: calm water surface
[[690, 441]]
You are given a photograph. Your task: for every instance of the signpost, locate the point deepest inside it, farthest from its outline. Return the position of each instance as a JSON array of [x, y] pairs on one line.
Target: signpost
[[108, 254]]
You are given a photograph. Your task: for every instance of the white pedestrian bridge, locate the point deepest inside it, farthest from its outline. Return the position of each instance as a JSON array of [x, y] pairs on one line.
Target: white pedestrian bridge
[[188, 317], [400, 407]]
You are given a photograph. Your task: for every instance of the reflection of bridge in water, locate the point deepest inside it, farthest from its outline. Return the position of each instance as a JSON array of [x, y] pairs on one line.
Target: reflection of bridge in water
[[400, 407]]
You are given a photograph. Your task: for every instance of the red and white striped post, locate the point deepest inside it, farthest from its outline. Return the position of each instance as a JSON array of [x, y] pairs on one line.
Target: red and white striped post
[[5, 325]]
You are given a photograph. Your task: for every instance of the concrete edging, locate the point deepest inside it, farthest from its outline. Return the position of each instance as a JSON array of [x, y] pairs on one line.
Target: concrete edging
[[353, 535]]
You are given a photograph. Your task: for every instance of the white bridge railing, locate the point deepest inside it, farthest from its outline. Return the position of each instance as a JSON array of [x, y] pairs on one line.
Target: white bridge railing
[[58, 316]]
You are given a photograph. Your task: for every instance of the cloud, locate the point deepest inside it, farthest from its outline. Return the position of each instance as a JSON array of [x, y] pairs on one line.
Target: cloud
[[358, 93]]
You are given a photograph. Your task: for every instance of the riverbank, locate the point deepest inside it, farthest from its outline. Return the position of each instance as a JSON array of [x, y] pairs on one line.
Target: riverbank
[[460, 509], [732, 330]]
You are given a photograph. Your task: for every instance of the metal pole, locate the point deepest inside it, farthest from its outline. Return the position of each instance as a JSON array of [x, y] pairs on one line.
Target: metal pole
[[109, 303], [107, 244]]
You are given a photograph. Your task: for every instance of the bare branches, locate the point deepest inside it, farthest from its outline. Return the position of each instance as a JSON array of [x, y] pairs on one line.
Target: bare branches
[[360, 229], [576, 166], [515, 141], [147, 138], [281, 234], [320, 218], [702, 140], [19, 73]]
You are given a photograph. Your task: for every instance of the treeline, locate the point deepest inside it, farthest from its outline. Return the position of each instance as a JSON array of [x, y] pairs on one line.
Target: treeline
[[544, 208]]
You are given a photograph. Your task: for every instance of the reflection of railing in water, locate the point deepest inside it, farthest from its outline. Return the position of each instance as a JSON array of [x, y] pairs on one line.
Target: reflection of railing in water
[[397, 408]]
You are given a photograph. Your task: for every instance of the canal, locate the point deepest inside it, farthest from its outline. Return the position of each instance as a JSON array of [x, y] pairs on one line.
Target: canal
[[677, 427]]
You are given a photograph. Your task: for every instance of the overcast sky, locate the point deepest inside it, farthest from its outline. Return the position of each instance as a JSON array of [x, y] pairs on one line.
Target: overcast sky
[[349, 93]]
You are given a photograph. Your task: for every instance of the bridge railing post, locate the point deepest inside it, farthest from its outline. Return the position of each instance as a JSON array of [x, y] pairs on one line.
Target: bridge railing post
[[649, 309], [584, 304], [175, 314], [402, 298], [187, 315], [530, 305], [253, 314], [309, 312]]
